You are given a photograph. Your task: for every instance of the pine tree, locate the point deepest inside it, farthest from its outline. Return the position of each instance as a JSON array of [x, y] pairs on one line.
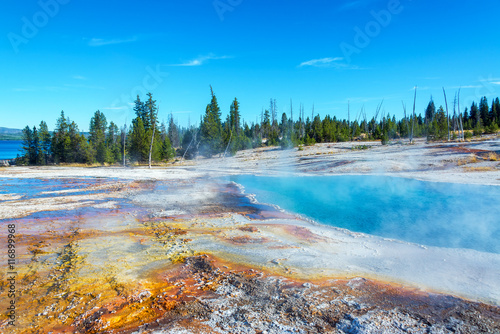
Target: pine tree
[[36, 149], [74, 151], [234, 116], [97, 130], [493, 113], [475, 116], [113, 143], [496, 104], [167, 151], [430, 111], [317, 129], [152, 115], [27, 146], [211, 128], [80, 149], [138, 149], [61, 140], [140, 111], [173, 132], [484, 111], [45, 142]]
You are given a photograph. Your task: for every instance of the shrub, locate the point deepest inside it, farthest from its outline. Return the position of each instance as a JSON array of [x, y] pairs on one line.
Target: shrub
[[492, 156]]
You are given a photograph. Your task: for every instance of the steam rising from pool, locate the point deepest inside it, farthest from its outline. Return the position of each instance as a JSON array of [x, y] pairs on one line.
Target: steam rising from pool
[[426, 213]]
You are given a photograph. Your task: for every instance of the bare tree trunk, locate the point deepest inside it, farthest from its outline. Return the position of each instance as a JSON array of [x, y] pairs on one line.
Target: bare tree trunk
[[189, 146], [406, 119], [151, 145], [413, 119], [366, 122], [229, 143], [355, 121], [455, 115], [124, 140], [349, 117], [447, 116], [460, 115]]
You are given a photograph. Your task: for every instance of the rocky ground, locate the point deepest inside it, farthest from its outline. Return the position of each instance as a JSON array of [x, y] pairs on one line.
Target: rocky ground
[[173, 250]]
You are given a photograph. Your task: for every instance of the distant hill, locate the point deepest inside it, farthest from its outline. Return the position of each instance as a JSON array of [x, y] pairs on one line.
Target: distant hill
[[9, 131], [10, 134]]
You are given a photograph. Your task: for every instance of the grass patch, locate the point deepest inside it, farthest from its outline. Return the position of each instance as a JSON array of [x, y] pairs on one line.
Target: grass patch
[[479, 169], [492, 156], [473, 159], [360, 147]]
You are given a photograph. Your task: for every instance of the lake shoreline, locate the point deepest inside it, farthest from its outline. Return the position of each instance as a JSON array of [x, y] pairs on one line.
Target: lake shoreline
[[148, 231]]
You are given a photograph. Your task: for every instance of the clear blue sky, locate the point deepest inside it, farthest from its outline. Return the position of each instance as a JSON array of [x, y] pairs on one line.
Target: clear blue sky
[[81, 56]]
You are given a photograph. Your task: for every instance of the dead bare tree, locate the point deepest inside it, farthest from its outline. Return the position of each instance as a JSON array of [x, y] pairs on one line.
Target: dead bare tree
[[455, 115], [355, 121], [124, 137], [413, 118], [151, 145], [377, 112], [406, 119], [301, 122], [447, 116], [460, 117], [229, 143], [349, 117], [365, 120], [190, 143], [153, 118]]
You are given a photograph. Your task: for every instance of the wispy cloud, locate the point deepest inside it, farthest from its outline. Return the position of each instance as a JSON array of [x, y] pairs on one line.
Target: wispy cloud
[[79, 77], [201, 60], [336, 62], [490, 79], [439, 88], [94, 42]]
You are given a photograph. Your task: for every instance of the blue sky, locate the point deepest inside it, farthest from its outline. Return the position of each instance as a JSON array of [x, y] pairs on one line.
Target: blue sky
[[81, 56]]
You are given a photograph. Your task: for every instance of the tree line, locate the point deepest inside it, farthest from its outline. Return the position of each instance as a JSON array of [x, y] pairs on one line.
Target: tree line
[[148, 141]]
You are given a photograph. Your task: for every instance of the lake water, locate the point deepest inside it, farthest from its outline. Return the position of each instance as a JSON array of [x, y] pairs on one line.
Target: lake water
[[9, 149], [427, 213]]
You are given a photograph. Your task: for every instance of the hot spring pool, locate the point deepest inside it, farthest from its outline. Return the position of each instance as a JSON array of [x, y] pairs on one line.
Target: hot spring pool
[[427, 213]]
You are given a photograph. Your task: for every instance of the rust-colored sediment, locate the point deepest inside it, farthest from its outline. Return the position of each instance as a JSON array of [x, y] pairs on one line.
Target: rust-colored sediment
[[74, 276]]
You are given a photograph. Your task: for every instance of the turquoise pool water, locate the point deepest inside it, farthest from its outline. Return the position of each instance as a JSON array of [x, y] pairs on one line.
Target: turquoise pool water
[[427, 213], [9, 149]]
